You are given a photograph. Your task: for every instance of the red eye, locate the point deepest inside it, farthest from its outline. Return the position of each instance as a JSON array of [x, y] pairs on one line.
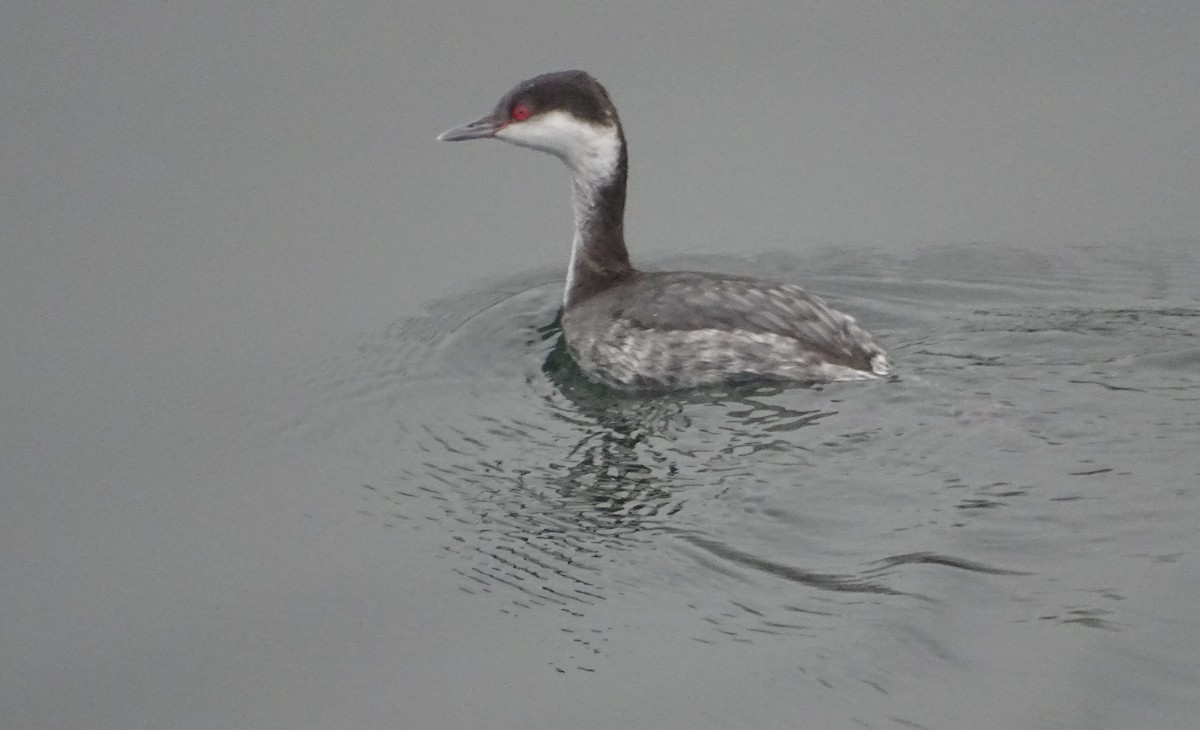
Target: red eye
[[520, 113]]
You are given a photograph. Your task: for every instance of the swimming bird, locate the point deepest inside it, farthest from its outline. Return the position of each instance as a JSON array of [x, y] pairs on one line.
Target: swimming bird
[[643, 330]]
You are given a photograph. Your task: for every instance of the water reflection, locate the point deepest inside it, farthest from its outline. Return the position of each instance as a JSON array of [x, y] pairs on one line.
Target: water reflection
[[565, 491], [766, 512]]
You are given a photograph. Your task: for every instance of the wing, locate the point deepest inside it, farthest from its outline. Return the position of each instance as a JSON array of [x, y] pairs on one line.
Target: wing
[[693, 301]]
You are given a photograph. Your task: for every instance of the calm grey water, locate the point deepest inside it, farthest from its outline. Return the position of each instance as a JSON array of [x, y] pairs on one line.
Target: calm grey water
[[287, 439], [1002, 536]]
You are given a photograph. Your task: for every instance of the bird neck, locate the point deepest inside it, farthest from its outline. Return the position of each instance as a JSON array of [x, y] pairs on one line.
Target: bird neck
[[599, 258]]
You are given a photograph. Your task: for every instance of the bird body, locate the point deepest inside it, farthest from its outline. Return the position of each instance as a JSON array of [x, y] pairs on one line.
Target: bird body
[[632, 329]]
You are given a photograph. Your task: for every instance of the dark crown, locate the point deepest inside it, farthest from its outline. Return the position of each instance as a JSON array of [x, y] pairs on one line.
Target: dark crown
[[574, 92]]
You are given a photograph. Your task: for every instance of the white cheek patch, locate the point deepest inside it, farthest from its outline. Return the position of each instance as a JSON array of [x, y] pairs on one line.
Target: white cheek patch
[[554, 132], [591, 151]]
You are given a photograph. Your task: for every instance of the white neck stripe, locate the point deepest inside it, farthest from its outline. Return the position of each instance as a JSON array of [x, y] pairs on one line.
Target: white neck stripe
[[592, 153]]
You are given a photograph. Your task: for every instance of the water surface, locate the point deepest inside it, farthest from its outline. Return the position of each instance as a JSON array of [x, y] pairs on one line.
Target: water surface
[[247, 483], [1012, 515]]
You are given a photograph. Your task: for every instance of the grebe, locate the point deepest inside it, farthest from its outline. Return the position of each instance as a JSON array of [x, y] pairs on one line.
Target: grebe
[[634, 329]]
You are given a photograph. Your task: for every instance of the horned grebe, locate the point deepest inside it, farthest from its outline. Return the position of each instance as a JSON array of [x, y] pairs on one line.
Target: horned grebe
[[634, 329]]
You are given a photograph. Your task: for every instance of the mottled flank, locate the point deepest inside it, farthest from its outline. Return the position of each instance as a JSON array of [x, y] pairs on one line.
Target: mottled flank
[[684, 330]]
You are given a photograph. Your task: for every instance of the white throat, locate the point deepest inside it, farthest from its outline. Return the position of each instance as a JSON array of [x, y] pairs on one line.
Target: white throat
[[592, 153]]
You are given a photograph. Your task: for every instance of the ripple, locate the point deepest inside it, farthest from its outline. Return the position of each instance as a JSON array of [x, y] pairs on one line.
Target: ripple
[[1040, 401], [823, 581], [946, 560]]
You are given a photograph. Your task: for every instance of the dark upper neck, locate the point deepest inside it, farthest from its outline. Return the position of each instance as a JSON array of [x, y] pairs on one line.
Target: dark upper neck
[[599, 258]]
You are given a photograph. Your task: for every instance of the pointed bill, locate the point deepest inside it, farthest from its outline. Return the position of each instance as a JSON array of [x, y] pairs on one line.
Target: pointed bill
[[478, 129]]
